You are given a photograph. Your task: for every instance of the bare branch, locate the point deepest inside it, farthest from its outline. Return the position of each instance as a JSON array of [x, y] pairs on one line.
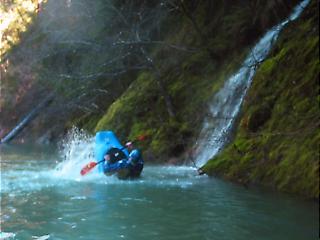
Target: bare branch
[[174, 46]]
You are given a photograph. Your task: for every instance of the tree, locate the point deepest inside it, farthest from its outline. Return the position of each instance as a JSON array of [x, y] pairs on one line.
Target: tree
[[79, 49]]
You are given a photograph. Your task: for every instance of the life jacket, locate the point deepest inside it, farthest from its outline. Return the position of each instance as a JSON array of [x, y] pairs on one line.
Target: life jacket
[[114, 163], [125, 168], [135, 157], [115, 155]]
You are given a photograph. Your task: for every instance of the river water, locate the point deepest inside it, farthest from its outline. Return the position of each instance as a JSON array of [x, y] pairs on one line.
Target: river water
[[43, 196]]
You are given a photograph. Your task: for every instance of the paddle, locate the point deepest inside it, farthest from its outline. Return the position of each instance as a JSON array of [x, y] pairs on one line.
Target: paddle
[[88, 167]]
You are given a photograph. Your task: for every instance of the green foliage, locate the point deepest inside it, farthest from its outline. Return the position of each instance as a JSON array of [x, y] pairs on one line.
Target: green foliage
[[87, 122], [136, 102], [194, 54], [141, 109], [191, 78], [276, 143]]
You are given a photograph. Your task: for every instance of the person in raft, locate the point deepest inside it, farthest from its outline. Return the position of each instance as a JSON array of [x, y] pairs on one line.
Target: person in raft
[[126, 168]]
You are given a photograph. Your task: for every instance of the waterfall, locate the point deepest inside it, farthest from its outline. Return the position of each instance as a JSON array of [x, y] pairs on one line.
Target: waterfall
[[227, 102]]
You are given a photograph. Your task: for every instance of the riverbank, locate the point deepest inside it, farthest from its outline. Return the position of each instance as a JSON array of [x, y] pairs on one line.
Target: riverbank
[[168, 82], [276, 142]]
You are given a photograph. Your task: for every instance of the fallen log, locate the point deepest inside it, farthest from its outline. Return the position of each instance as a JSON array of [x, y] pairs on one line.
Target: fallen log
[[27, 119]]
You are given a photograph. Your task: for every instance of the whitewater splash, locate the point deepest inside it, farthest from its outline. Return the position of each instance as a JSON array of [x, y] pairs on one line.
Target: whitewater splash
[[227, 102], [77, 149], [38, 172], [35, 172]]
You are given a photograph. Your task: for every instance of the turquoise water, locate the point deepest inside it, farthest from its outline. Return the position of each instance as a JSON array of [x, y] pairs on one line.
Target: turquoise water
[[44, 197]]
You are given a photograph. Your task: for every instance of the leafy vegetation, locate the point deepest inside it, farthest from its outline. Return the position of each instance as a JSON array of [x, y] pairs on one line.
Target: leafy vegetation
[[151, 67], [191, 78], [277, 140]]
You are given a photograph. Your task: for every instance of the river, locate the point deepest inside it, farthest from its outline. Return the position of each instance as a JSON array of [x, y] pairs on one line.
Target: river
[[43, 196]]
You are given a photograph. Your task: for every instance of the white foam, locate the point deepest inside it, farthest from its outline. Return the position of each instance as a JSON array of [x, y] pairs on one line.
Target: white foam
[[77, 150], [227, 102]]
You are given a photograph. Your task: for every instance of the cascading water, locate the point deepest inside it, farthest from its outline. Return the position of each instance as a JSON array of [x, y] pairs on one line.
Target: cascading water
[[227, 102], [43, 196]]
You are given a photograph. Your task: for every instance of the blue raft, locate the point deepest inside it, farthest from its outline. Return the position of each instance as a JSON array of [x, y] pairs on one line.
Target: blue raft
[[106, 142]]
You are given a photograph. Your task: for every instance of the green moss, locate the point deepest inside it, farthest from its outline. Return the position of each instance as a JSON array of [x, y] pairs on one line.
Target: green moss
[[131, 105], [106, 120], [87, 123], [277, 141], [258, 116]]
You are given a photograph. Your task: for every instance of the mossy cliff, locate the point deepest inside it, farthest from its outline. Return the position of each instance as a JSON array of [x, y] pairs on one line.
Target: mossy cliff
[[161, 86], [191, 78], [277, 140]]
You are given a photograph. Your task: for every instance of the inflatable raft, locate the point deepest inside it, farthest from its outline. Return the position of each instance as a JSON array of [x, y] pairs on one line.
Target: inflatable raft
[[106, 143]]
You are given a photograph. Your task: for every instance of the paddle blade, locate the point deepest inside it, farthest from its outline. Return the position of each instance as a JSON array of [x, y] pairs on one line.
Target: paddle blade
[[87, 168]]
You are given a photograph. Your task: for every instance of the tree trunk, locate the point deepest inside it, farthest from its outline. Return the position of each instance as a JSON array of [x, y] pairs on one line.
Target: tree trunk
[[28, 118]]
